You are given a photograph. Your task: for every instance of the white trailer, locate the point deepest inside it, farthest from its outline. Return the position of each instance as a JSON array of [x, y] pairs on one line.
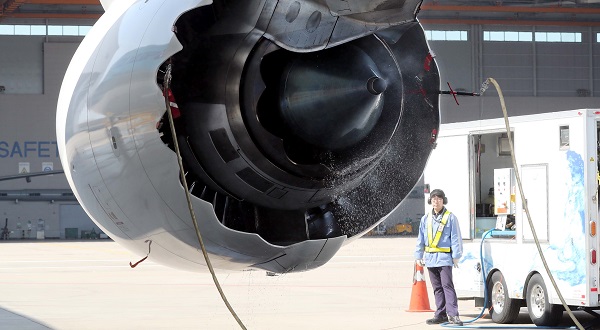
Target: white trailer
[[557, 158]]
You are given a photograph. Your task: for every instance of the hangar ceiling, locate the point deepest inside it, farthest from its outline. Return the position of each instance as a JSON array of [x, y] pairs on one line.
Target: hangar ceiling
[[504, 12], [50, 9]]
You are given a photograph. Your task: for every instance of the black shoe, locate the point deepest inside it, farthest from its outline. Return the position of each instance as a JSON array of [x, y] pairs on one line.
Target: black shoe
[[437, 320], [454, 320]]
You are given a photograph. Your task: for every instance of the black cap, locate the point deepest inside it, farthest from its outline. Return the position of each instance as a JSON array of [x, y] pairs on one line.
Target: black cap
[[438, 193]]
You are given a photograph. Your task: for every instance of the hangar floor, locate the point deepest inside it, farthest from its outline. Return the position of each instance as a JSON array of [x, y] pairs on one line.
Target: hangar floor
[[89, 285]]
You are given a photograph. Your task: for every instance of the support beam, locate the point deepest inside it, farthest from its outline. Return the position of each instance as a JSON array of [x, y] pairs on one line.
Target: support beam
[[512, 9], [10, 6], [64, 2], [506, 22]]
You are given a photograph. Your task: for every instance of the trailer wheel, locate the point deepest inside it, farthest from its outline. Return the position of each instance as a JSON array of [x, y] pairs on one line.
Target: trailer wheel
[[541, 312], [504, 309]]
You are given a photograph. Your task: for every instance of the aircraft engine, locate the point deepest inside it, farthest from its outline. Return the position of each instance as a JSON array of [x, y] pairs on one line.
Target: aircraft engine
[[301, 125]]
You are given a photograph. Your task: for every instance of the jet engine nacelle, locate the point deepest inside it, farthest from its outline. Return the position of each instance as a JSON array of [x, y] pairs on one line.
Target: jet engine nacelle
[[301, 125]]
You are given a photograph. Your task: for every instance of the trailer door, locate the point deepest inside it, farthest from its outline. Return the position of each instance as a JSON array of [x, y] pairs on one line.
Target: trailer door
[[448, 169], [534, 179]]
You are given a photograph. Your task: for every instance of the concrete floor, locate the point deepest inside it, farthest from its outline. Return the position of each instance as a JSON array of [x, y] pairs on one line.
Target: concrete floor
[[89, 285]]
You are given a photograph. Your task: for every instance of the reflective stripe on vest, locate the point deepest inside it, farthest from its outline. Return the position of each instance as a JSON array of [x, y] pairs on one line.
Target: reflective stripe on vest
[[434, 241]]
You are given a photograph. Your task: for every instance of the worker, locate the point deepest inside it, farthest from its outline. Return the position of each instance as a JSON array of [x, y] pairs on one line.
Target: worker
[[439, 248]]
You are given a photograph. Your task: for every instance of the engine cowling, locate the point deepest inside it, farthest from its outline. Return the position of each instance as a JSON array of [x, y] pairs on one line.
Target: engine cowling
[[301, 126]]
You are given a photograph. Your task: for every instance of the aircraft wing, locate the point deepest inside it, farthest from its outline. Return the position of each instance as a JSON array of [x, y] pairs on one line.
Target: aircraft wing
[[28, 176]]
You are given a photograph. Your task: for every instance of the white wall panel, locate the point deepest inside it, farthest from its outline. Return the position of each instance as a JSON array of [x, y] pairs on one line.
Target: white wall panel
[[73, 216], [454, 60], [510, 63], [21, 64], [23, 212], [27, 122]]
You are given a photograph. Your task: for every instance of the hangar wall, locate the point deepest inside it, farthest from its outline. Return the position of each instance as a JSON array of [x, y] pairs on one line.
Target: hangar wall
[[28, 132], [535, 77], [22, 67], [31, 70]]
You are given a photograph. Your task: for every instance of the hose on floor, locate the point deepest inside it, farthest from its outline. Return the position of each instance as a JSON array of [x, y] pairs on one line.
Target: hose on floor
[[166, 83]]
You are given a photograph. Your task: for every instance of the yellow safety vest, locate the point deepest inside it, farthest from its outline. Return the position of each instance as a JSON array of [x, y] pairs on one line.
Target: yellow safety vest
[[434, 241]]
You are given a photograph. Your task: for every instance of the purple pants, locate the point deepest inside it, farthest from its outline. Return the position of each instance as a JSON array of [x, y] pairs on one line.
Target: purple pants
[[443, 288]]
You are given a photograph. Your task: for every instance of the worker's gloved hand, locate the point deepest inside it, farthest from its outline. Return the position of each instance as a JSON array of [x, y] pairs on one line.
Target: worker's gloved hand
[[455, 262], [420, 262]]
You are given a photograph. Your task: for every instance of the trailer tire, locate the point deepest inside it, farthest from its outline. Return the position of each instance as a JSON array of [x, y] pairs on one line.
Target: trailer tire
[[503, 308], [541, 312]]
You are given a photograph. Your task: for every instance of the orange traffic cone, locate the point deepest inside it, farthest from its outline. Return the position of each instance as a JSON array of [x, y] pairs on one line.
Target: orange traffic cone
[[419, 300]]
